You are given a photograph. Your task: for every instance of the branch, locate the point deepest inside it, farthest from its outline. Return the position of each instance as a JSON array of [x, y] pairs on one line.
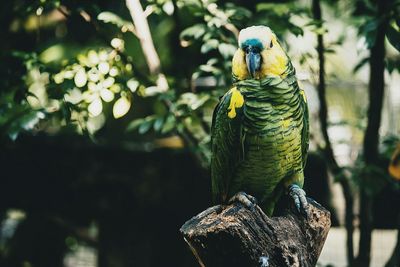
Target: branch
[[146, 41], [139, 19], [236, 236], [213, 9]]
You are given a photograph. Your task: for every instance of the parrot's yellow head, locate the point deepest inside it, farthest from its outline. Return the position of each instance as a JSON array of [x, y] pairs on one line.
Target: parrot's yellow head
[[259, 54]]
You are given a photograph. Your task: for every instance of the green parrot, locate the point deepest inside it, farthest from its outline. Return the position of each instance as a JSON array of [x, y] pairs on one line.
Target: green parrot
[[260, 128]]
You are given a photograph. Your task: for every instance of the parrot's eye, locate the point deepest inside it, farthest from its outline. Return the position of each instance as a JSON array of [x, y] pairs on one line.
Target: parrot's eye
[[271, 45]]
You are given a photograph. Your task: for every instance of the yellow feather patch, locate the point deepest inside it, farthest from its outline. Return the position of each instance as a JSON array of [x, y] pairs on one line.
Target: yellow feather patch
[[286, 123], [237, 101], [239, 67], [304, 95], [274, 60]]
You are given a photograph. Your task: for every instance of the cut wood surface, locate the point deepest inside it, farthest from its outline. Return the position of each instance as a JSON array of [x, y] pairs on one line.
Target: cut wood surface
[[234, 235]]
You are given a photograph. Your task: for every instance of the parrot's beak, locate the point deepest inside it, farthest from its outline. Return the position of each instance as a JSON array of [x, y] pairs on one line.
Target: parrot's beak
[[253, 61]]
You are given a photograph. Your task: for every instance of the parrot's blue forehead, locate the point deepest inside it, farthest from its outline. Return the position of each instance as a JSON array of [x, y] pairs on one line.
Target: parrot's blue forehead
[[253, 43]]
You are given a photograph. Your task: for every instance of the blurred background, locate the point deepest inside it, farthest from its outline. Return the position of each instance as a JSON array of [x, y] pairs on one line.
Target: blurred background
[[105, 129]]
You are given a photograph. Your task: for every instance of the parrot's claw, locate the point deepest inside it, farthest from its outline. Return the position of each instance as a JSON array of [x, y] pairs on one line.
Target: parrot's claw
[[246, 200], [300, 201]]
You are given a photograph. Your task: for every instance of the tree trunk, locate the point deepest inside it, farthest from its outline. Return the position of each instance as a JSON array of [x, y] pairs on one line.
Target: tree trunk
[[371, 139], [236, 236], [349, 215], [328, 151]]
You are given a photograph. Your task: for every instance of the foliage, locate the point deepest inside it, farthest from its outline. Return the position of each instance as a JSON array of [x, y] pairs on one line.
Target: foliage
[[368, 22], [82, 87], [86, 83]]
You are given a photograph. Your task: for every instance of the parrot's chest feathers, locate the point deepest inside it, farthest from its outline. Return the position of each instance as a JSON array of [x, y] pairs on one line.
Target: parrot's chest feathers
[[272, 123], [271, 114]]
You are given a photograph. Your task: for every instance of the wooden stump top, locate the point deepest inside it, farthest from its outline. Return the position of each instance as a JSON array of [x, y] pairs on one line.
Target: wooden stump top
[[236, 236]]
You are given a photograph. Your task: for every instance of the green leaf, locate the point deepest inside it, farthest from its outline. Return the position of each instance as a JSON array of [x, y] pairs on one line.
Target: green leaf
[[66, 110], [393, 36], [109, 17], [158, 124], [29, 121], [212, 61], [193, 101], [133, 125], [121, 107], [296, 30], [329, 50], [169, 125], [238, 13], [278, 9], [194, 32], [369, 31], [145, 126], [133, 85], [227, 50], [200, 102], [392, 64], [209, 45], [320, 30], [26, 121], [360, 64], [210, 69], [13, 135]]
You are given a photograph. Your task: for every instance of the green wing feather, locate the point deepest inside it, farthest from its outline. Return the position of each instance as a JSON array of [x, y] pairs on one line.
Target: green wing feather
[[225, 147], [305, 132]]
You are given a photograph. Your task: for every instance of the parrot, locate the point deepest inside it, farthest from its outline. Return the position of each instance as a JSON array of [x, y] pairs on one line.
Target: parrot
[[260, 128]]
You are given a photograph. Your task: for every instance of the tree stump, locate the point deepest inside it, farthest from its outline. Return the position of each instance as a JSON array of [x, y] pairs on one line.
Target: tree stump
[[233, 235]]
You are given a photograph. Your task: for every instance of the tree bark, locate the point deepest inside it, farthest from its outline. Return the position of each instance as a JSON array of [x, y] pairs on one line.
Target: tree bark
[[237, 236], [336, 170]]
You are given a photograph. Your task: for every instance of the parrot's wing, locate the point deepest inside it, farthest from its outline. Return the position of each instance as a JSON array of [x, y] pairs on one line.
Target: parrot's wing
[[305, 132], [226, 144]]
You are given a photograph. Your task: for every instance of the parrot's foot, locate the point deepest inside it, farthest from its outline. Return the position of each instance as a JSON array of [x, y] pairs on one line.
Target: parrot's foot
[[246, 200], [299, 197]]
